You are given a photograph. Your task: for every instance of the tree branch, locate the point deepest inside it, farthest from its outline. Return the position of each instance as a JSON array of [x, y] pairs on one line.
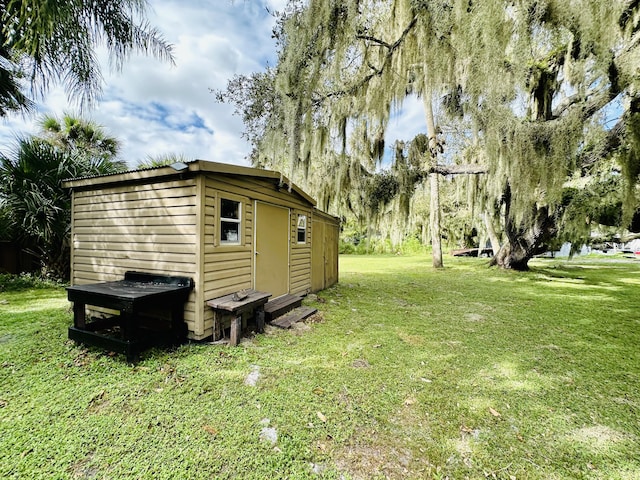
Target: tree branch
[[469, 169], [391, 48], [611, 142]]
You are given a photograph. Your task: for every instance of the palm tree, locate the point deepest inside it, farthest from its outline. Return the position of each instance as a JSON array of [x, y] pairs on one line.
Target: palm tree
[[81, 136], [35, 205], [50, 41], [162, 160]]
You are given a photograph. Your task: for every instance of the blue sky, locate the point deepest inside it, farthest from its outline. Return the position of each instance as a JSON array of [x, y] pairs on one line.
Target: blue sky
[[155, 108]]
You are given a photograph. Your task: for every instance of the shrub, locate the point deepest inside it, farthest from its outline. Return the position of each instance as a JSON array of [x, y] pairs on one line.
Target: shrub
[[9, 283]]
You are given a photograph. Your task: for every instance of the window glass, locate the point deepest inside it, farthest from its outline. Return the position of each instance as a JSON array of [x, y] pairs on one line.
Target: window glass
[[229, 221], [229, 209], [302, 229]]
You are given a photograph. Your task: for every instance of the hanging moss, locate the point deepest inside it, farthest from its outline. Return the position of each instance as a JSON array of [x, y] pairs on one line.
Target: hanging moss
[[347, 65]]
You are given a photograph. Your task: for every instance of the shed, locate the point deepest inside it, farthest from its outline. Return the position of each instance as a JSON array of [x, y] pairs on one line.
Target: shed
[[227, 227]]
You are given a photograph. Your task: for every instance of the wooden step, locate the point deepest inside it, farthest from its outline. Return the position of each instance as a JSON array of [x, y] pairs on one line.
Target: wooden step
[[297, 315], [281, 305]]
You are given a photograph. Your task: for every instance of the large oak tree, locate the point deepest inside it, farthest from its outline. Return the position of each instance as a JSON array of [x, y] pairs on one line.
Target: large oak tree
[[534, 81]]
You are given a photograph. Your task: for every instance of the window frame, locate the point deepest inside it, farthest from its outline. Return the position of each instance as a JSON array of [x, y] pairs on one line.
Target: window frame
[[305, 229], [239, 221]]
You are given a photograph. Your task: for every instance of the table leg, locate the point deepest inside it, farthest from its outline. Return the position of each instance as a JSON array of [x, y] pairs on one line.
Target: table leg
[[79, 315], [178, 327], [129, 326], [260, 319], [236, 330]]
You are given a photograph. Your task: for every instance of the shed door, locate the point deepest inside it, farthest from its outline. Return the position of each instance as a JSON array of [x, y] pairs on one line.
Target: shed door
[[272, 231], [331, 236], [317, 256]]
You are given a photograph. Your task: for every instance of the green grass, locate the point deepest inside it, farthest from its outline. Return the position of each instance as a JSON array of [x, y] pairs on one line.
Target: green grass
[[467, 372]]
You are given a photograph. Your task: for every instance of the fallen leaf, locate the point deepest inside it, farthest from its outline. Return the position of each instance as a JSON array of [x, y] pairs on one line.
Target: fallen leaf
[[318, 390], [321, 417], [410, 401], [466, 429], [211, 430], [493, 412]]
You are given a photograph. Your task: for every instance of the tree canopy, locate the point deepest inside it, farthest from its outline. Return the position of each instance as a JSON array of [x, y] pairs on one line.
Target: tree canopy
[[43, 42], [541, 93]]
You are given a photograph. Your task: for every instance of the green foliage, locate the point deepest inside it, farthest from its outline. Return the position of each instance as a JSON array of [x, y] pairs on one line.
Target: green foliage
[[517, 87], [630, 160], [35, 206], [381, 188], [163, 160], [54, 42], [409, 372], [257, 103], [12, 96], [81, 137], [24, 281]]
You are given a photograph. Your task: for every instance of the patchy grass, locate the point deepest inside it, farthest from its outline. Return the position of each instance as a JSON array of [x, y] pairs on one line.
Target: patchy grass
[[408, 372]]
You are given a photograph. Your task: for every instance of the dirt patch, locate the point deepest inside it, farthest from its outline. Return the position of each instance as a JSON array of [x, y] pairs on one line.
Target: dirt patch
[[598, 437], [363, 461], [474, 317], [99, 402], [317, 317], [360, 363], [415, 340], [83, 469], [299, 328]]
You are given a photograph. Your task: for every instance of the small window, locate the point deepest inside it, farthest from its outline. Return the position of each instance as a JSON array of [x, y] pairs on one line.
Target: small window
[[230, 216], [302, 229]]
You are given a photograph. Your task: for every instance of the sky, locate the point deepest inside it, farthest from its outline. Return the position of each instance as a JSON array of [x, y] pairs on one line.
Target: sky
[[154, 108]]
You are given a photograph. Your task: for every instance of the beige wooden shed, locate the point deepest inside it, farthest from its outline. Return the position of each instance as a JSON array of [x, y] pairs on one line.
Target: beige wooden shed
[[228, 227]]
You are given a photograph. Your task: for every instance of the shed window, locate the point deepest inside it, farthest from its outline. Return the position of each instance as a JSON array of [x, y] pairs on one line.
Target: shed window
[[230, 216], [302, 229]]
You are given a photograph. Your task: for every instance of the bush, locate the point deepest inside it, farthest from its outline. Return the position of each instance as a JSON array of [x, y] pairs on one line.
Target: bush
[[9, 283], [412, 246], [346, 248], [377, 245]]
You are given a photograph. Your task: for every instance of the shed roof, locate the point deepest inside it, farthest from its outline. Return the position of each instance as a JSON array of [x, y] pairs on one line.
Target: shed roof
[[193, 167]]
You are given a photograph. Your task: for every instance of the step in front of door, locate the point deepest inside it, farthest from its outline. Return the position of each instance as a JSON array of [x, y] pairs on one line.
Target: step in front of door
[[281, 305], [297, 315]]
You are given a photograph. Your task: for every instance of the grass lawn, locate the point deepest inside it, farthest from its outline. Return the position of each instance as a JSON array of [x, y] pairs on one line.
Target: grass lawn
[[408, 372]]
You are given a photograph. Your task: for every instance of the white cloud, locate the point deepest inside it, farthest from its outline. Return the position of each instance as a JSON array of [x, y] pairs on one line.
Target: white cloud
[[154, 108]]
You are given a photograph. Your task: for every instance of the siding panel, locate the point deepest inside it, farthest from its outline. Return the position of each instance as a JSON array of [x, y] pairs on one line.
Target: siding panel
[[149, 228]]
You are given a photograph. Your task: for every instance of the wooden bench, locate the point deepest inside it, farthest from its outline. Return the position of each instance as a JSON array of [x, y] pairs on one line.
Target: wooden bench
[[234, 306]]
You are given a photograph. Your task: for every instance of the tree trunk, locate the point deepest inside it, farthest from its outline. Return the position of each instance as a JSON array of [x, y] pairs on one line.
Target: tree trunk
[[434, 209], [434, 220], [524, 241], [491, 231]]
